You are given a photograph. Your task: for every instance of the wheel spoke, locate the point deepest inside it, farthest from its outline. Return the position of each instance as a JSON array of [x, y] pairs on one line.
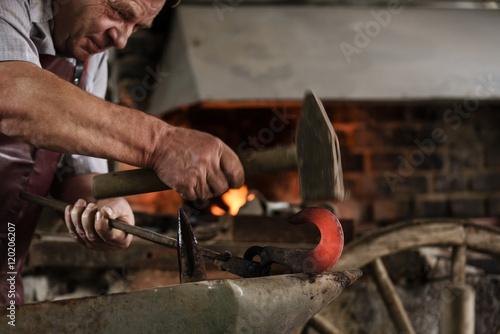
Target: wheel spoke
[[458, 263], [390, 297]]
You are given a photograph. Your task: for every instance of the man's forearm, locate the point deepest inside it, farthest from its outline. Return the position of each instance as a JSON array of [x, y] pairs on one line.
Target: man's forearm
[[39, 108]]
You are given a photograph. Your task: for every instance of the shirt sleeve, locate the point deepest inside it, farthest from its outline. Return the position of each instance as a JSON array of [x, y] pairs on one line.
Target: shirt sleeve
[[74, 164], [15, 25], [97, 75]]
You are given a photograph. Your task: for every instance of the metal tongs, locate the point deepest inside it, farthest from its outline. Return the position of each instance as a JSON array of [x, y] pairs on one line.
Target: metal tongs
[[189, 253], [191, 256]]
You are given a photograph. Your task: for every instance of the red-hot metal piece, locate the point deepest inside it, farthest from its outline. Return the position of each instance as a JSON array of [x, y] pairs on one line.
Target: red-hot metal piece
[[314, 261], [330, 247]]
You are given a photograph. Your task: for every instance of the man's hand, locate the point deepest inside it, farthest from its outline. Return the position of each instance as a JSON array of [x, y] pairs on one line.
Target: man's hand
[[88, 223], [196, 164], [193, 163]]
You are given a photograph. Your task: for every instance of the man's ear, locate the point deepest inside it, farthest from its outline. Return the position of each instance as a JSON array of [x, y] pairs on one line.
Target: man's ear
[[172, 3]]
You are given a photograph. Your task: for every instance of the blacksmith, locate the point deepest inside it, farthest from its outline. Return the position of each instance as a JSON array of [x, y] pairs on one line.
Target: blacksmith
[[52, 115]]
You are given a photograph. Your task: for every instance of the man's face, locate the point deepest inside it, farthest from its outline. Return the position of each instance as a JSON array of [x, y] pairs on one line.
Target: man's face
[[86, 27]]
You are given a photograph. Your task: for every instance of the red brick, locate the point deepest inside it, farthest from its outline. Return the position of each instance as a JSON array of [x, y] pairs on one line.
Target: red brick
[[432, 209], [492, 156], [389, 112], [369, 137], [352, 162], [485, 182], [449, 182], [346, 112], [416, 159], [493, 207], [390, 210], [429, 112], [467, 208], [462, 156], [410, 185]]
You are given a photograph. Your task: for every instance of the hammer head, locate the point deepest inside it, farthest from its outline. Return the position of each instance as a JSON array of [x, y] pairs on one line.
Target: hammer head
[[318, 154]]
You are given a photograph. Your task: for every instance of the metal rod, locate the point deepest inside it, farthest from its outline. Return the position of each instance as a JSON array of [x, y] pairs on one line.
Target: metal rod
[[127, 228], [52, 203], [224, 261]]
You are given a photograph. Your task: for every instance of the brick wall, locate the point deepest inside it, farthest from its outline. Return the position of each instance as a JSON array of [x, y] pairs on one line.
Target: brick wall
[[407, 160], [400, 160]]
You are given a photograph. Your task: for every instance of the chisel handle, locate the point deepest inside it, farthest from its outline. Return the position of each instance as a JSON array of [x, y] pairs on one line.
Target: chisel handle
[[139, 181]]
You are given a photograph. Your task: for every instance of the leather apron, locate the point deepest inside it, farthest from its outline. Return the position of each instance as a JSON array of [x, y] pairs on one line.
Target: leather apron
[[24, 167]]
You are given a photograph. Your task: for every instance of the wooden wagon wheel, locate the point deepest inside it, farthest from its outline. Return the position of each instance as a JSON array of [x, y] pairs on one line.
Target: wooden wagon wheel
[[459, 234]]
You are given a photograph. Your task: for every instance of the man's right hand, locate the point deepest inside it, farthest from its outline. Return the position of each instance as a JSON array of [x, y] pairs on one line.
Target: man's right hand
[[196, 164]]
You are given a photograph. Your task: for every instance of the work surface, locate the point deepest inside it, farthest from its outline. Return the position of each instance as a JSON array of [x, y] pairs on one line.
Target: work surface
[[272, 304]]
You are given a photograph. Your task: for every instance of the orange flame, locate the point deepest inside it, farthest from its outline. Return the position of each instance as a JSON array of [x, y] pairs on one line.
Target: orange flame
[[234, 198], [217, 210]]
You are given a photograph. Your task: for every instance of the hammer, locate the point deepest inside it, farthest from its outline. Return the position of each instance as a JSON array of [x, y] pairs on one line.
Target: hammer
[[316, 155]]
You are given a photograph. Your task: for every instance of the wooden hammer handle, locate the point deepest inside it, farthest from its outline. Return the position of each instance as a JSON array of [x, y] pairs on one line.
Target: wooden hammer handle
[[125, 183], [269, 161], [139, 181]]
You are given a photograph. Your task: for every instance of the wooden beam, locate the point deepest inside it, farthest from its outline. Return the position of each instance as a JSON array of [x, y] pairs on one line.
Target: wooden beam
[[419, 233], [457, 309], [458, 263], [322, 325]]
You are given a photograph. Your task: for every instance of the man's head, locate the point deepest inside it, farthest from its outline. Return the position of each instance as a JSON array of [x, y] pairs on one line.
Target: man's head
[[86, 27]]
